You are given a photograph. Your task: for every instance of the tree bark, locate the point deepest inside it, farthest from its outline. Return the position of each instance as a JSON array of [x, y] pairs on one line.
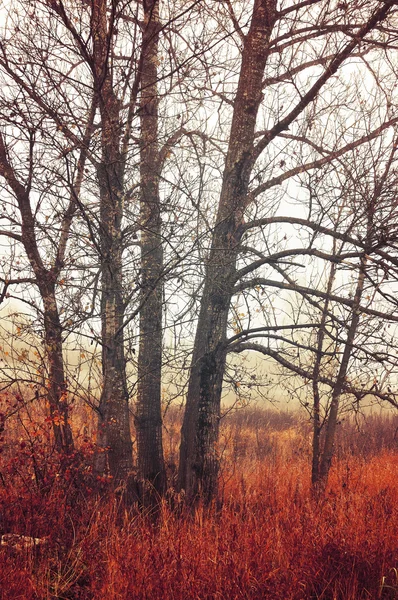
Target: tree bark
[[114, 424], [148, 415], [57, 388], [199, 461], [317, 425], [331, 425]]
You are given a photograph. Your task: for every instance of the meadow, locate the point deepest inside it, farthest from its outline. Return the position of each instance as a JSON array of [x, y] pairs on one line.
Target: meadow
[[267, 536]]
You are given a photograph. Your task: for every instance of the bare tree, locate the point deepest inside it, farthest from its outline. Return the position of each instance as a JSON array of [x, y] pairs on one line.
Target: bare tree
[[39, 219], [199, 135], [341, 347], [198, 456], [374, 205], [114, 58]]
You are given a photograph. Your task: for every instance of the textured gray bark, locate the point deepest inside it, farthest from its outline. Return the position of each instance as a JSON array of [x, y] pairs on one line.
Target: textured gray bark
[[148, 416], [114, 426], [199, 461]]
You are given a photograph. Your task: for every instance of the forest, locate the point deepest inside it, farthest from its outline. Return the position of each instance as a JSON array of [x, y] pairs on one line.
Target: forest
[[198, 299]]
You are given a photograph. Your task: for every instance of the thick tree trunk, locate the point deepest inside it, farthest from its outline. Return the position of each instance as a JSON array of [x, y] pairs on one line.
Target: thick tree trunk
[[199, 461], [57, 389], [148, 416], [114, 425], [200, 430]]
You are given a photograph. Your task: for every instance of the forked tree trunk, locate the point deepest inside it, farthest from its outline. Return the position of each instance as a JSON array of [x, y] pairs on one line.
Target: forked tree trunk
[[331, 424], [317, 425], [199, 460], [45, 281], [148, 416], [198, 453]]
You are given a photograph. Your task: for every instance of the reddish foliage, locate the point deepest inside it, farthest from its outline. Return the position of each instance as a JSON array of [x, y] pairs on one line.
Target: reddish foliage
[[267, 538]]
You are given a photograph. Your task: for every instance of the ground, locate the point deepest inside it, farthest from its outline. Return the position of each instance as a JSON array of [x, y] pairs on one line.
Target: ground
[[267, 536]]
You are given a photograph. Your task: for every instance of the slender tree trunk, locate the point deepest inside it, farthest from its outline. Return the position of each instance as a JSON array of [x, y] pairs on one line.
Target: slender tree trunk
[[331, 425], [317, 425], [148, 416], [45, 280], [199, 461], [114, 425]]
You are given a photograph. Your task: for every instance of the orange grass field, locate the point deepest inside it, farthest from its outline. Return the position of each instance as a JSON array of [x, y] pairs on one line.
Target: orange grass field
[[266, 539]]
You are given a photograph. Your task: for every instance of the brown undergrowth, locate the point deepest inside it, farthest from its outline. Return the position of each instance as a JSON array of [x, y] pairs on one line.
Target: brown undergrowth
[[267, 538]]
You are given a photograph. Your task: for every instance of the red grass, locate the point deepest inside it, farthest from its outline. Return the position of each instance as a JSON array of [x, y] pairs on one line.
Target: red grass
[[268, 538]]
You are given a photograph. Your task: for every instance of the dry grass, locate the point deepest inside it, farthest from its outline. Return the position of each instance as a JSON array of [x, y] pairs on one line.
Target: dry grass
[[267, 538]]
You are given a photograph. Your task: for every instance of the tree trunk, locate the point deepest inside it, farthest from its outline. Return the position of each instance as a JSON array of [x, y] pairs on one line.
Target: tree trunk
[[45, 280], [199, 461], [331, 425], [316, 439], [57, 389], [114, 425], [148, 416]]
